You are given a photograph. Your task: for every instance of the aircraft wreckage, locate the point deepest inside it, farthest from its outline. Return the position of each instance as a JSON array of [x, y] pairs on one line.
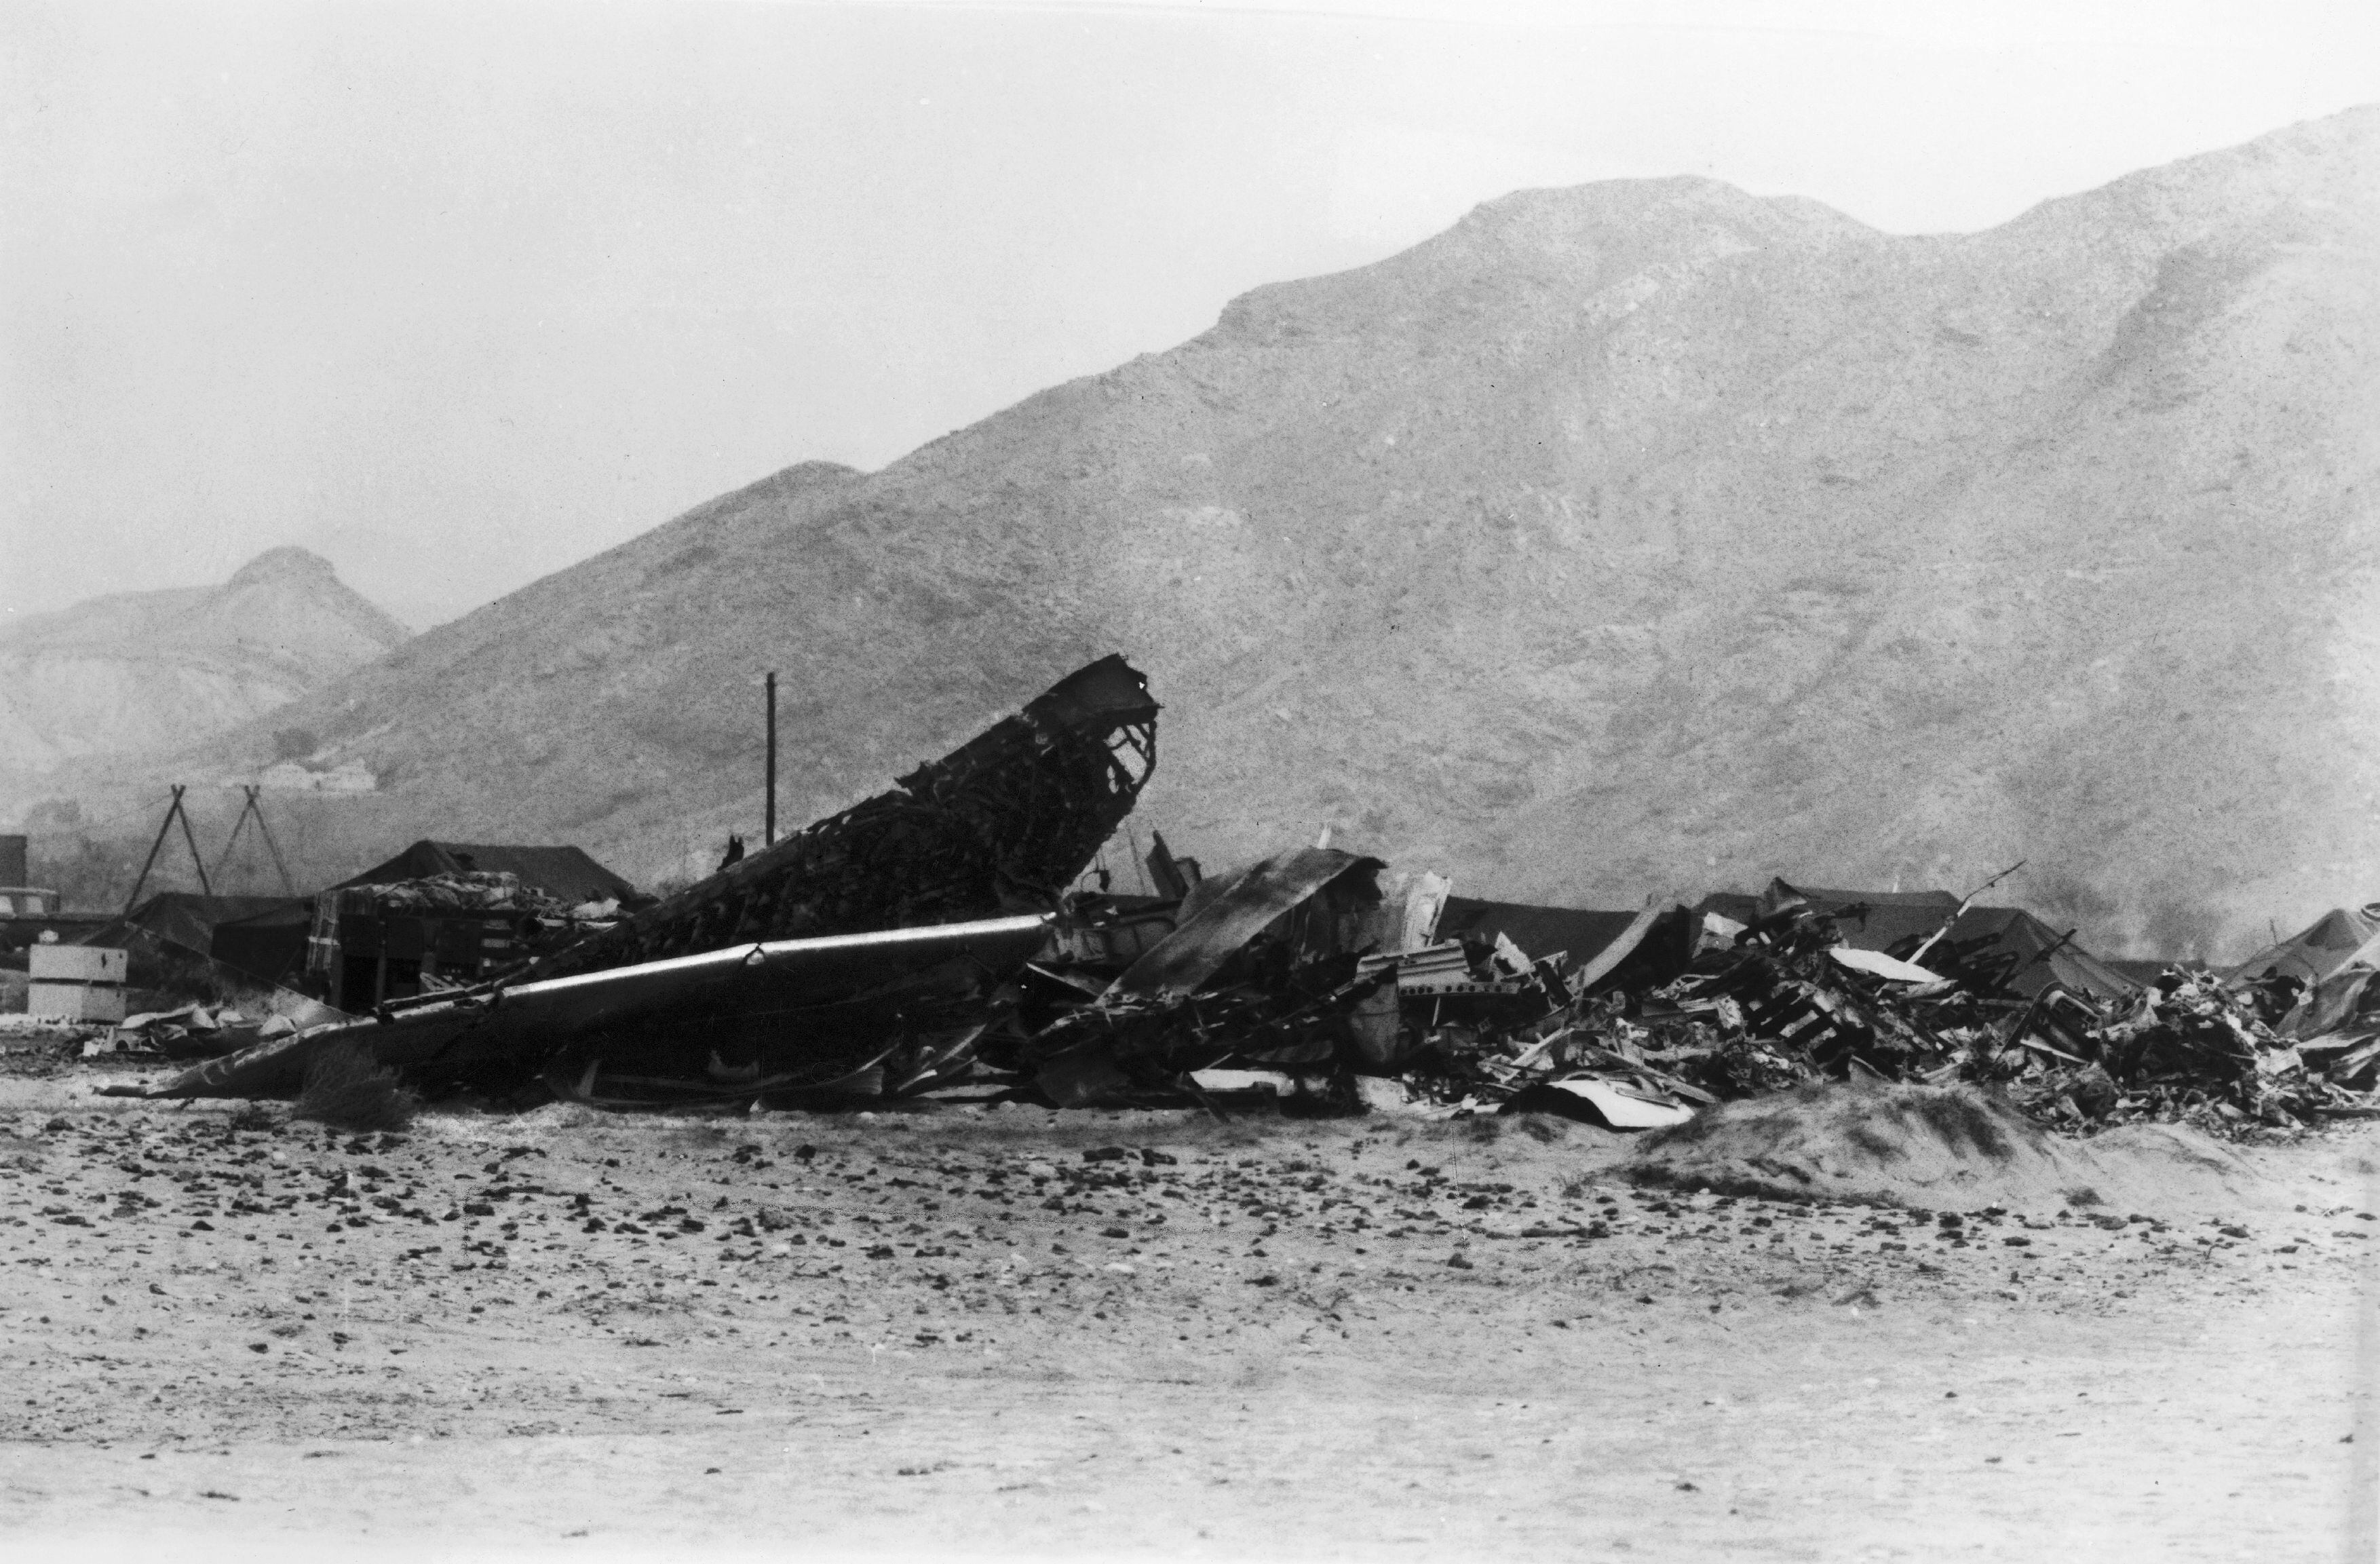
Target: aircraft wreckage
[[877, 939], [936, 940]]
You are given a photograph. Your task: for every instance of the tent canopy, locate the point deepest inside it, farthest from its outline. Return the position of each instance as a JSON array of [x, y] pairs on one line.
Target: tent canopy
[[190, 920], [2001, 946], [2336, 957], [2012, 948], [1890, 917], [261, 936], [2313, 952], [2145, 970], [1538, 931], [567, 873]]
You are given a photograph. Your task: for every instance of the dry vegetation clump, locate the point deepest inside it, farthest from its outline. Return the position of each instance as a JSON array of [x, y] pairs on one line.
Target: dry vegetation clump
[[347, 1088]]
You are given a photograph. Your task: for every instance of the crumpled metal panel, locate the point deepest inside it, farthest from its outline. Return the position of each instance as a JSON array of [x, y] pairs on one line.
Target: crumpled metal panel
[[1251, 902]]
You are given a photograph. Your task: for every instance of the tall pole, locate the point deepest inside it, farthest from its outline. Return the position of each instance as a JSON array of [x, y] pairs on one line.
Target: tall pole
[[769, 823], [174, 811], [288, 886], [191, 837], [231, 841], [148, 863]]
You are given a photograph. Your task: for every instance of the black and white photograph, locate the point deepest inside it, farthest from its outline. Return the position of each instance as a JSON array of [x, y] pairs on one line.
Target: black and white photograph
[[1354, 779]]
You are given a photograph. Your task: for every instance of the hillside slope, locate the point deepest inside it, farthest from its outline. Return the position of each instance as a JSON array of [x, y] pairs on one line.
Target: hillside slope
[[154, 672], [1634, 537]]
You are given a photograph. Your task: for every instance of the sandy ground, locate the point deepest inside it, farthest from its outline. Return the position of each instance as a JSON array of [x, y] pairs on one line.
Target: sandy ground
[[947, 1333]]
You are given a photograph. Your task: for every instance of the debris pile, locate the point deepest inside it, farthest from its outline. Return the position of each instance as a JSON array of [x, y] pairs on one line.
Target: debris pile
[[926, 942], [1780, 1002], [1282, 970], [1266, 968]]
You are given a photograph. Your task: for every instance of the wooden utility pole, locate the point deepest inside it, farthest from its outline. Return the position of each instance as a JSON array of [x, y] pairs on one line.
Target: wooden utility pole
[[769, 820], [252, 806], [174, 811]]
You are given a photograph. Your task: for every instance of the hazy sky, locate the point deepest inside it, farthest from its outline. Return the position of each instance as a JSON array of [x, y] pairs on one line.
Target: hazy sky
[[457, 295]]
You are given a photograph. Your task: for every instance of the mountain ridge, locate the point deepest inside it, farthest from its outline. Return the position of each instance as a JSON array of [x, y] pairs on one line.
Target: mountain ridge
[[152, 671], [1637, 537]]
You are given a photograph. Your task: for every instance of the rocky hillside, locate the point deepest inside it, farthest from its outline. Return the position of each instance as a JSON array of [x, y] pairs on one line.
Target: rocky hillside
[[150, 673], [1638, 537]]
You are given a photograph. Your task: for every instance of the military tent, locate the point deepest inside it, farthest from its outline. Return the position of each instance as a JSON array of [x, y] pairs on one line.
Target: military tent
[[2313, 952], [184, 916], [2346, 997], [2009, 948], [257, 938], [2145, 970], [270, 944], [1538, 931], [1993, 947], [564, 873], [1868, 920]]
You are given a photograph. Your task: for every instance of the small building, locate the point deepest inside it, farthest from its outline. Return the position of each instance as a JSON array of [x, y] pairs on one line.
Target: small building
[[288, 776]]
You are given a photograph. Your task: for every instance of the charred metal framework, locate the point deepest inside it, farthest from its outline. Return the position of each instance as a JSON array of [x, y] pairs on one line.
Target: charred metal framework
[[1271, 970], [1000, 825]]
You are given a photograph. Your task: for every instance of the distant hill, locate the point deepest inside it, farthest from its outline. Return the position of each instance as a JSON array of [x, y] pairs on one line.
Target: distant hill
[[1635, 537], [150, 672]]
